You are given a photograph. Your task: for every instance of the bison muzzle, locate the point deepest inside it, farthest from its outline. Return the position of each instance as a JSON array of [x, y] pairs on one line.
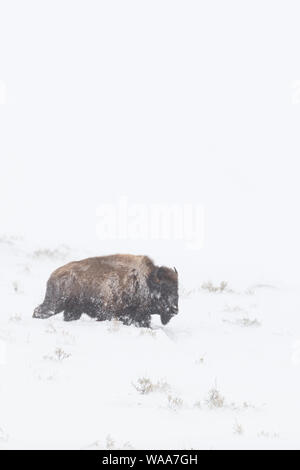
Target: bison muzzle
[[124, 287]]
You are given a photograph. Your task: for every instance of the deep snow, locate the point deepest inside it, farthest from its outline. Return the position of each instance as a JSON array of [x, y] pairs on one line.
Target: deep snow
[[78, 385]]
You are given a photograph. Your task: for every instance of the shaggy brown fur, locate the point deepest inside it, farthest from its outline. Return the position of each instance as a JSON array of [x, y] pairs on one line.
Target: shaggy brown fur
[[126, 287]]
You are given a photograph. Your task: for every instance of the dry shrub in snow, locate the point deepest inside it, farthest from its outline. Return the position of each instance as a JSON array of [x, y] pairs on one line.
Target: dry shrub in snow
[[148, 332], [244, 406], [233, 309], [109, 443], [51, 329], [185, 293], [268, 435], [16, 287], [114, 326], [249, 291], [15, 318], [66, 337], [174, 403], [215, 399], [45, 376], [3, 435], [198, 405], [144, 386], [8, 239], [199, 361], [223, 287], [244, 322], [59, 355], [238, 429], [56, 254]]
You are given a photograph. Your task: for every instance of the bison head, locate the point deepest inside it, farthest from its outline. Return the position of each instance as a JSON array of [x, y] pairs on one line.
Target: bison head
[[164, 293]]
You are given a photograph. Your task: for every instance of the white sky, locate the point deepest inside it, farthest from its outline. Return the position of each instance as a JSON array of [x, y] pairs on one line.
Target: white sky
[[160, 101]]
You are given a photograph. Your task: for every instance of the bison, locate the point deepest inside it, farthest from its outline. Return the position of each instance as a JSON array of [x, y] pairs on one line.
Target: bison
[[128, 288]]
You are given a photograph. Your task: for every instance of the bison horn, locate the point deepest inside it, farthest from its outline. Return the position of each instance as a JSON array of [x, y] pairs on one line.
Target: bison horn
[[175, 270]]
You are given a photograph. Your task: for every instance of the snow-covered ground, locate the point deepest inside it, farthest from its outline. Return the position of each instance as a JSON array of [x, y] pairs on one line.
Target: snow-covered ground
[[223, 374]]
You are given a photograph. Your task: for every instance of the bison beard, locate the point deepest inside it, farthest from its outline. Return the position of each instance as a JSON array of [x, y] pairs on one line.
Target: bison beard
[[124, 287]]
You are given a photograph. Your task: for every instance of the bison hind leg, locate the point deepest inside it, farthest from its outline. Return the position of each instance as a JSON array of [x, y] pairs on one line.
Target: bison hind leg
[[43, 312], [52, 304], [143, 322]]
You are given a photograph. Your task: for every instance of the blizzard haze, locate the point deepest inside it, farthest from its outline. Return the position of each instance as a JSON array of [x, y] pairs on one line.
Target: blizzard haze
[[161, 102]]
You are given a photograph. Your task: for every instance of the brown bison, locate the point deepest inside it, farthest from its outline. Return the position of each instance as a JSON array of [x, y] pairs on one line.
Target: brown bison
[[124, 287]]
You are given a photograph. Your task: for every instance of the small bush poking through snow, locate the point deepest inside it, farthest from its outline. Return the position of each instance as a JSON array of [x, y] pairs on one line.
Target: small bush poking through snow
[[223, 287], [3, 435], [244, 322], [67, 337], [109, 443], [57, 254], [268, 435], [232, 309], [8, 239], [144, 386], [186, 293], [45, 376], [148, 332], [215, 399], [199, 361], [16, 287], [128, 446], [15, 318], [174, 403], [51, 329], [249, 291], [238, 429], [4, 239], [59, 355], [114, 326], [244, 406]]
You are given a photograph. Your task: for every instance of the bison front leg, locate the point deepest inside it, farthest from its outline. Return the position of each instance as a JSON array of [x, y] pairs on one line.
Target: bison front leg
[[141, 318], [71, 315], [134, 318]]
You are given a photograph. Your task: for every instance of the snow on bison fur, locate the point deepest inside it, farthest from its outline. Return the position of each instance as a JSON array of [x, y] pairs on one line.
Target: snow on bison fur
[[124, 287]]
